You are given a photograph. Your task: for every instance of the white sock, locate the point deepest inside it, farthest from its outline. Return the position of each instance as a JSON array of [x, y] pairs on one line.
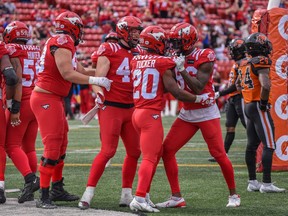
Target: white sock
[[88, 194], [2, 184], [147, 196], [140, 199], [126, 191]]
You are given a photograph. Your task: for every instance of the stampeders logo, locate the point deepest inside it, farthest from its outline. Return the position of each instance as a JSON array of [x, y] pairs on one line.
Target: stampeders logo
[[281, 107], [11, 49], [157, 35], [62, 39], [282, 148]]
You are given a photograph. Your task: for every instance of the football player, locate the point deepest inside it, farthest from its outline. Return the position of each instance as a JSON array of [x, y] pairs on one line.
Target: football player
[[234, 107], [115, 116], [254, 72], [22, 131], [57, 71], [152, 75], [11, 80], [194, 74]]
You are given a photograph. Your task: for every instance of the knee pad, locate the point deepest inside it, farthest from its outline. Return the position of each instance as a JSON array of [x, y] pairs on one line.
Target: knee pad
[[49, 162]]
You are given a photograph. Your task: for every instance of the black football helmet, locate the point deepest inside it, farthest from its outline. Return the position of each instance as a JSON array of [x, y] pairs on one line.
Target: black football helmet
[[237, 49], [258, 44]]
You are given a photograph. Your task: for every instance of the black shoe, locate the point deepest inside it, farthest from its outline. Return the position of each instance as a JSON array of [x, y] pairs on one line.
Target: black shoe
[[45, 204], [2, 196], [58, 193], [29, 189], [212, 160]]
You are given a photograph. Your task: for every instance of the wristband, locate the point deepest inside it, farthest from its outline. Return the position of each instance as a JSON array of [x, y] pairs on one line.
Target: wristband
[[9, 103], [198, 99]]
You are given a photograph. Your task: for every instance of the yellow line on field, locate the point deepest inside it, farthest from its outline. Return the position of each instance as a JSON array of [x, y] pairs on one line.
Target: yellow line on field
[[161, 165]]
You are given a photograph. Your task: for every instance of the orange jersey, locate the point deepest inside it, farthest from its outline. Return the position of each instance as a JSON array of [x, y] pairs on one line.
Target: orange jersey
[[49, 77], [192, 63], [29, 56], [248, 72], [232, 78], [147, 71], [120, 72]]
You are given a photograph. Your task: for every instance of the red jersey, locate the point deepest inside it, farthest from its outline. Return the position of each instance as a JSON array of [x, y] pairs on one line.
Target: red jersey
[[147, 71], [49, 77], [29, 56], [192, 63], [94, 57], [248, 72], [3, 51], [120, 72]]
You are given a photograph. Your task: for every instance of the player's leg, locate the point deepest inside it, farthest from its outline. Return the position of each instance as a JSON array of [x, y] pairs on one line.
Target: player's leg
[[2, 152]]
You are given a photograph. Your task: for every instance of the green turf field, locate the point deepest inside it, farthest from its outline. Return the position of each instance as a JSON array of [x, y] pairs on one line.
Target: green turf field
[[202, 184]]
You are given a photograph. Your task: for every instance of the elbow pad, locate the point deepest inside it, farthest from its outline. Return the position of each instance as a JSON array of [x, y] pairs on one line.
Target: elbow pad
[[10, 76]]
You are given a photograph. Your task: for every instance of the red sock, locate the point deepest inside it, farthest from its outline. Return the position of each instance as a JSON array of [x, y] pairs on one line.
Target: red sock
[[45, 175]]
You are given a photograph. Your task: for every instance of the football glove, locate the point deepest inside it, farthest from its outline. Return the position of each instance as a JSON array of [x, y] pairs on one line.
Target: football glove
[[217, 95], [101, 81], [264, 106], [180, 63], [205, 99], [100, 98]]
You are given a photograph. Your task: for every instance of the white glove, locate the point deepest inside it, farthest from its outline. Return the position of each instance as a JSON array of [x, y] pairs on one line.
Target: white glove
[[180, 63], [101, 81], [100, 98], [205, 99], [217, 95]]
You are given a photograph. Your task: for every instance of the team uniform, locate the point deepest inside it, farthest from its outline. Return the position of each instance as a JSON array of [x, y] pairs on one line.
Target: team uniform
[[115, 117], [192, 117], [20, 140], [148, 93], [260, 127], [234, 107], [3, 51], [49, 108]]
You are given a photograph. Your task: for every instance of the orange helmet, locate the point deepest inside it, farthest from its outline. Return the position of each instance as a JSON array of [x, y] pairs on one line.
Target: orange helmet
[[183, 36], [16, 31], [70, 23], [111, 36], [124, 27], [153, 38]]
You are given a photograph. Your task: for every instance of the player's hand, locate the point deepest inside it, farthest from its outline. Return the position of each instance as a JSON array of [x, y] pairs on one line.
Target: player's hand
[[15, 119], [217, 95], [101, 81], [205, 99], [100, 98], [264, 106], [180, 63]]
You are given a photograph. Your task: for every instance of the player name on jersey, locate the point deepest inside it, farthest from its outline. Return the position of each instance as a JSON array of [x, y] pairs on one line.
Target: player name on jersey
[[146, 64]]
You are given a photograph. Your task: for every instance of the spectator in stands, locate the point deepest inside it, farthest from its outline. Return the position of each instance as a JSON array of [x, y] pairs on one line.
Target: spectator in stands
[[199, 12], [11, 8]]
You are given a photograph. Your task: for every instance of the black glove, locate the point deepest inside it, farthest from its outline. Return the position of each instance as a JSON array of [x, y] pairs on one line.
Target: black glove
[[15, 108], [264, 106]]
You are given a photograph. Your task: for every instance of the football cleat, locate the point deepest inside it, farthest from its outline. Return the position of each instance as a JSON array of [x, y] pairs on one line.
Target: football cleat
[[253, 185], [233, 201], [125, 200], [58, 193], [2, 196], [270, 188], [83, 205], [45, 204], [148, 200], [172, 202], [28, 190], [143, 207]]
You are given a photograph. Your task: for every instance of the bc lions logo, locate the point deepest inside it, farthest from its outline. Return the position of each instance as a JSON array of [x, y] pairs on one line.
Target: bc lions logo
[[185, 30], [261, 38], [122, 25], [73, 20], [157, 35]]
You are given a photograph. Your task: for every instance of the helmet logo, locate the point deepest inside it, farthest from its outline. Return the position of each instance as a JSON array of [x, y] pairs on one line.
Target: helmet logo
[[9, 28], [185, 30], [122, 25], [261, 38], [73, 20], [157, 35]]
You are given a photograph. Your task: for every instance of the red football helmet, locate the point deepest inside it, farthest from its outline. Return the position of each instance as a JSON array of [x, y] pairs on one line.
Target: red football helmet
[[183, 36], [70, 23], [111, 36], [124, 27], [16, 31], [153, 38]]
